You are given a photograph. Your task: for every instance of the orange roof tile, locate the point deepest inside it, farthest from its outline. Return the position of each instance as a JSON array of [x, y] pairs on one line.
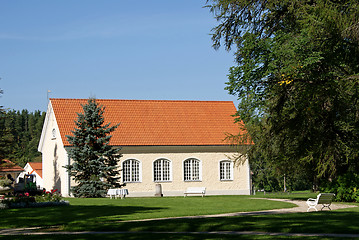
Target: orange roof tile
[[154, 122], [37, 167], [8, 166]]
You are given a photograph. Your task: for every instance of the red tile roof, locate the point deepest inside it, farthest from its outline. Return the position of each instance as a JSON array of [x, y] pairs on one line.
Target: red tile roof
[[37, 167], [156, 123], [8, 166]]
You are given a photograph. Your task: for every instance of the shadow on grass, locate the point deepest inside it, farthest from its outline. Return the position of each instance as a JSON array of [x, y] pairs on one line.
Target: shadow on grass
[[67, 215], [159, 236], [316, 222]]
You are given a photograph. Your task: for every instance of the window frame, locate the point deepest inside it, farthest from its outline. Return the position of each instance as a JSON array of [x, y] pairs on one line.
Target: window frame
[[225, 174], [132, 160], [162, 160], [184, 170]]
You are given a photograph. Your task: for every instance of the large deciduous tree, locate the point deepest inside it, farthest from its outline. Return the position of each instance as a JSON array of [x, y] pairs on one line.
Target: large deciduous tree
[[94, 162], [296, 79]]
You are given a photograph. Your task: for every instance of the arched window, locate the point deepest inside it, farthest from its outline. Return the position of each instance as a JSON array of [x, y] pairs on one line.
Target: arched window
[[192, 169], [131, 170], [162, 170], [225, 170]]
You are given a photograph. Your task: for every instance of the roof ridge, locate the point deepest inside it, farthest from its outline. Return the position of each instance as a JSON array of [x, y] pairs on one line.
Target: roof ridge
[[143, 100]]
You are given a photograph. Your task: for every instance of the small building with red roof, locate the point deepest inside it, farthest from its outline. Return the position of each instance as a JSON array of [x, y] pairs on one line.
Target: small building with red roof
[[177, 144], [34, 168]]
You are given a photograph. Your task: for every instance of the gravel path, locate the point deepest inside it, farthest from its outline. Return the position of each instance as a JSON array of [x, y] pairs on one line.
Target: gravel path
[[301, 207]]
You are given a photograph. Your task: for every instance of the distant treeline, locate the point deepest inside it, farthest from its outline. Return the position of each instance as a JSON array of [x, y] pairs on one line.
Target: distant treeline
[[20, 134]]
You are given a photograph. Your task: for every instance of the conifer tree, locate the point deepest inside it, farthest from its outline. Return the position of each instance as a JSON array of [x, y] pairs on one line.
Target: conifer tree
[[94, 161], [5, 137]]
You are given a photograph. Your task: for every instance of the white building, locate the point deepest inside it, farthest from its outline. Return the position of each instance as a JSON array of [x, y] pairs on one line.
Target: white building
[[34, 168], [178, 144]]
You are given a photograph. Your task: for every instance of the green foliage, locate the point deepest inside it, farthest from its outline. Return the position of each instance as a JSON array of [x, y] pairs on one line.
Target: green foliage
[[297, 82], [27, 199], [20, 136], [4, 136], [49, 196], [345, 187], [23, 199], [265, 177], [94, 166], [30, 186]]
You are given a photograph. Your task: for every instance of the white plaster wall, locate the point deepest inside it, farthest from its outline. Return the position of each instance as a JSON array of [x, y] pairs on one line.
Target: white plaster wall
[[55, 176], [39, 181], [54, 157], [209, 157]]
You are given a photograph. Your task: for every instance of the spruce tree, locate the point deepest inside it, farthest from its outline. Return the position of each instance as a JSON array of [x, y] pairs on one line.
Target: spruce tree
[[94, 161]]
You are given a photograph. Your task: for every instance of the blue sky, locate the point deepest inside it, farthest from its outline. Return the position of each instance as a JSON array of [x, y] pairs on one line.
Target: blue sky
[[115, 49]]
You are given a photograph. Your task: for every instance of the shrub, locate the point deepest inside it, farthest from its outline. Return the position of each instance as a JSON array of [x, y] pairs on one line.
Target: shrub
[[20, 199], [49, 196], [345, 187]]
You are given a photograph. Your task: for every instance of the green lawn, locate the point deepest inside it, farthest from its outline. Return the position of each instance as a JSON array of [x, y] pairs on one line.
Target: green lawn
[[340, 221], [112, 215], [97, 211], [343, 221], [136, 236], [297, 195]]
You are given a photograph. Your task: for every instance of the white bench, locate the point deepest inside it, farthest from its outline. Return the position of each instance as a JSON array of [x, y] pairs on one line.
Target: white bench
[[195, 190], [323, 198]]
